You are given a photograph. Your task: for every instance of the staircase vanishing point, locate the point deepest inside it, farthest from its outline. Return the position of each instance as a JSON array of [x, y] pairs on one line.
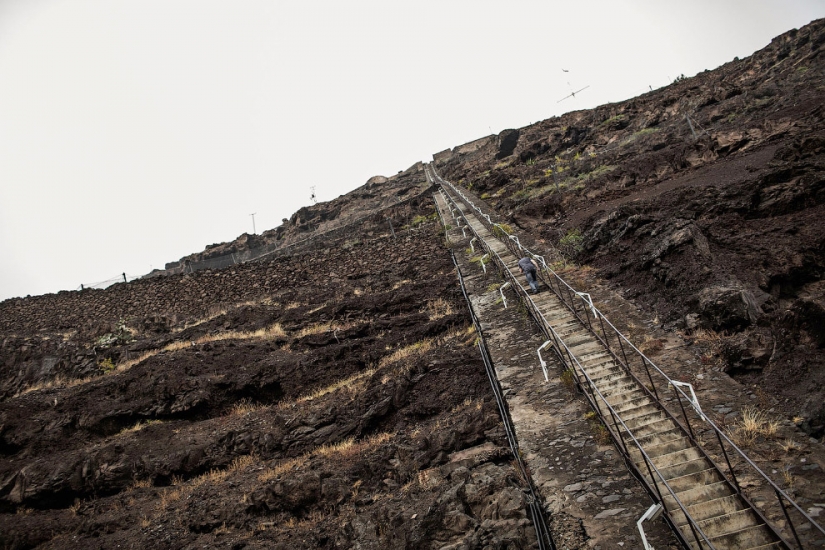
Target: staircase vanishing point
[[685, 478]]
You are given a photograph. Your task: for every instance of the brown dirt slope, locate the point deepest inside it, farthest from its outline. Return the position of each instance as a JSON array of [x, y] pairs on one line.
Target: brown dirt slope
[[717, 234], [330, 399]]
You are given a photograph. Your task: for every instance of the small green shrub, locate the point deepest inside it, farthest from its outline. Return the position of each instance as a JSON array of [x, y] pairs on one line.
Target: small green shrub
[[613, 119], [646, 131], [107, 365], [571, 244], [502, 230], [568, 379]]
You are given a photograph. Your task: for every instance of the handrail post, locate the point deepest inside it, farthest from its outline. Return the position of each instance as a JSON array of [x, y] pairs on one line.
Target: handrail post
[[653, 478], [621, 347], [647, 370], [606, 342], [684, 414], [787, 517], [730, 468], [616, 425], [587, 314], [572, 301]]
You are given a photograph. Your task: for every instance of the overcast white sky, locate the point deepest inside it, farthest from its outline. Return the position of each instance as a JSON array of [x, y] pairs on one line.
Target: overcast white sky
[[135, 132]]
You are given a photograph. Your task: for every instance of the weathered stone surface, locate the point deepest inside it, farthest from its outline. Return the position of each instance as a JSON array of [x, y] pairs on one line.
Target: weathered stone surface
[[507, 141]]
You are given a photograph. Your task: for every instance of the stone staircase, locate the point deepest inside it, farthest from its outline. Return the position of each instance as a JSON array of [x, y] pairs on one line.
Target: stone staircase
[[682, 470]]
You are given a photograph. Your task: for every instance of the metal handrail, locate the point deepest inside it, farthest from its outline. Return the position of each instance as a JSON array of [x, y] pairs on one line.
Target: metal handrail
[[542, 532], [595, 392], [780, 494]]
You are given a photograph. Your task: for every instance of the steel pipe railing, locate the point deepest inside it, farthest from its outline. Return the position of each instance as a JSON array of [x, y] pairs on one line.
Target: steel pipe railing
[[570, 298]]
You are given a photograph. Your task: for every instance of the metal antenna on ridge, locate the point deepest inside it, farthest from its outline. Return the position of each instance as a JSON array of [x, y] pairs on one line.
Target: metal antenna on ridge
[[253, 223], [573, 94]]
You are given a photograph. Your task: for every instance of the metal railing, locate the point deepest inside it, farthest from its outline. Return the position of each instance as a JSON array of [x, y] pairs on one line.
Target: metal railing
[[593, 394], [622, 351], [534, 507]]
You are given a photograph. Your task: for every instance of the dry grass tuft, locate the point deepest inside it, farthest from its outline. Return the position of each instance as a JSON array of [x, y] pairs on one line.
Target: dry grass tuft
[[316, 328], [56, 382], [413, 350], [399, 284], [790, 445], [755, 423], [245, 406], [141, 484], [707, 335], [168, 496], [651, 345], [351, 383], [788, 477], [436, 309], [343, 449], [211, 477], [280, 469], [272, 331], [469, 402], [242, 462], [138, 426]]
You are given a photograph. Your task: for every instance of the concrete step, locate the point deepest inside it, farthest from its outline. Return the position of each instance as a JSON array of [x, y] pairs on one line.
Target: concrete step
[[603, 361], [658, 449], [644, 420], [640, 411], [698, 494], [605, 372], [682, 457], [589, 356], [655, 425], [709, 509], [659, 438], [594, 362], [602, 367], [750, 537], [688, 481], [631, 408], [620, 387], [574, 342], [623, 400], [570, 329], [676, 470], [729, 523]]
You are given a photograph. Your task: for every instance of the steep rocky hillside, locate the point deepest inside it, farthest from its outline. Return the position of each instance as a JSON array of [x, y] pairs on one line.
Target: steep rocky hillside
[[330, 394], [379, 196], [316, 401], [701, 201]]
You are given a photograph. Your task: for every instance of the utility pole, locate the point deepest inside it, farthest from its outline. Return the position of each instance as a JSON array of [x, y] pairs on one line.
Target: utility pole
[[253, 223]]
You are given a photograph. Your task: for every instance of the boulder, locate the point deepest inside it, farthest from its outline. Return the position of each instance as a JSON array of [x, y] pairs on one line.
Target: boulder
[[728, 307], [507, 141], [376, 180]]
